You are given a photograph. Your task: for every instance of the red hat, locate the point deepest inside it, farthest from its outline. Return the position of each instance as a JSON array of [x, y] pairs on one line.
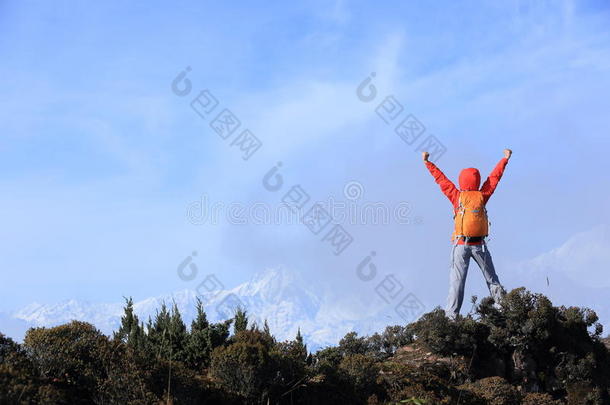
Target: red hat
[[470, 179]]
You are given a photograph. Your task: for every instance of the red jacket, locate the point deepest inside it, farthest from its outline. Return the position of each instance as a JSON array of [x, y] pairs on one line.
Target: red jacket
[[469, 180]]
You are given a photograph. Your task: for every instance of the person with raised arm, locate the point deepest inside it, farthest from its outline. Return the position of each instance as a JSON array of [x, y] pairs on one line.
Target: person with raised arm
[[471, 227]]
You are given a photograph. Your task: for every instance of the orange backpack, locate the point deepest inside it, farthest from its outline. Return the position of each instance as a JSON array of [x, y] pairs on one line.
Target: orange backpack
[[471, 216]]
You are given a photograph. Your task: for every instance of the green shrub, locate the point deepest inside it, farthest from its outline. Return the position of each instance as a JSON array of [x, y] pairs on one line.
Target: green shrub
[[70, 354], [243, 367], [18, 377], [359, 371], [536, 398], [495, 391]]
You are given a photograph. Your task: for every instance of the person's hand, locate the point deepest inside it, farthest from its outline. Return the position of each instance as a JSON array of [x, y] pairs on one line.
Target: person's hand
[[507, 153], [425, 156]]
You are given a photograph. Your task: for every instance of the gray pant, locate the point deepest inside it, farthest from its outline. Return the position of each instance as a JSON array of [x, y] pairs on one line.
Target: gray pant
[[460, 258]]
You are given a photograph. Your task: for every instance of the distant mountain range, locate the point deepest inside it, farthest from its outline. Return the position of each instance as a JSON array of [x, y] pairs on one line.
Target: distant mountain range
[[574, 274], [276, 295]]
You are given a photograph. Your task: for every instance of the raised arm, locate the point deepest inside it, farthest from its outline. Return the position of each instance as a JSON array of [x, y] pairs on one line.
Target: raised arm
[[492, 181], [447, 186]]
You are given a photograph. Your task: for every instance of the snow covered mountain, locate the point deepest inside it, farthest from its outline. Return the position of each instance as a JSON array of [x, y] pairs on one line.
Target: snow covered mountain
[[276, 295], [567, 275]]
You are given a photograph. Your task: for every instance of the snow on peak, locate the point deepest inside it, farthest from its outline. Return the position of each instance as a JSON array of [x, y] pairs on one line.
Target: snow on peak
[[276, 295]]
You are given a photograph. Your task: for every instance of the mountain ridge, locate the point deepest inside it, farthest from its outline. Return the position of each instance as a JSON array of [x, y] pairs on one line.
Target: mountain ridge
[[275, 295]]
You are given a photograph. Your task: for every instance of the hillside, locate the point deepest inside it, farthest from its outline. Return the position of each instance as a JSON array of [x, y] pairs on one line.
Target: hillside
[[525, 351]]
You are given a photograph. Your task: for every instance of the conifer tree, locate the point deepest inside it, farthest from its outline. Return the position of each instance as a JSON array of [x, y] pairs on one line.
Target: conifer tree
[[266, 329], [201, 320], [241, 320], [199, 345], [219, 332], [127, 321], [177, 334], [300, 348], [159, 333], [131, 330]]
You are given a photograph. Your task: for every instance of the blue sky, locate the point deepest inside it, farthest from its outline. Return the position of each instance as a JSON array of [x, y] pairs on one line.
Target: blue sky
[[99, 160]]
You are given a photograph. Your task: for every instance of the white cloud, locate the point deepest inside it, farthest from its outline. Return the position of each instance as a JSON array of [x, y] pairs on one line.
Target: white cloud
[[584, 258]]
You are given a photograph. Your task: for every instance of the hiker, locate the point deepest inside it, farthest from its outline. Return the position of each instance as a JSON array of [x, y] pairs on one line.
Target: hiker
[[470, 229]]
